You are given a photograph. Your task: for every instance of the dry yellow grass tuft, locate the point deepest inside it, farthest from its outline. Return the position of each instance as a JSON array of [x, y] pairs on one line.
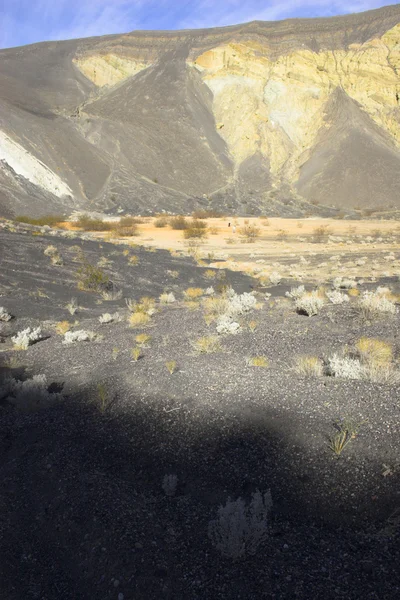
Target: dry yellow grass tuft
[[309, 366], [136, 353], [142, 339], [138, 319], [375, 353], [258, 361], [193, 293], [62, 327], [133, 260], [207, 345], [171, 366], [353, 292]]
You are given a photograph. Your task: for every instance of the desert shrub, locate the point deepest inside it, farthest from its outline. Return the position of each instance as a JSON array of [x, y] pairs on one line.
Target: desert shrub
[[133, 260], [309, 366], [296, 292], [88, 223], [207, 345], [309, 304], [25, 338], [249, 233], [196, 229], [282, 235], [125, 227], [239, 529], [111, 293], [345, 367], [167, 298], [210, 274], [4, 315], [28, 393], [275, 278], [337, 297], [92, 278], [50, 251], [49, 220], [161, 222], [343, 283], [226, 325], [138, 319], [109, 318], [320, 233], [178, 222], [71, 337], [258, 361], [372, 304]]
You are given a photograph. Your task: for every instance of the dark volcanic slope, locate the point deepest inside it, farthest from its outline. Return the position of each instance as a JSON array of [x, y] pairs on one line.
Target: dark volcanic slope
[[217, 117]]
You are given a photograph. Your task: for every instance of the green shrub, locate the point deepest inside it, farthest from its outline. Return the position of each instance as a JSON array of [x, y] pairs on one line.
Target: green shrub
[[92, 278], [89, 224]]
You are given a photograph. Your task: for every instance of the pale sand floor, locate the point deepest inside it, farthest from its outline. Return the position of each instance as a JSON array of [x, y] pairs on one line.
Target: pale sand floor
[[363, 249]]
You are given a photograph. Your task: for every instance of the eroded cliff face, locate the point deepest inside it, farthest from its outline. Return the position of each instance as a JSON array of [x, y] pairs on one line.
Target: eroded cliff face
[[108, 69], [276, 105]]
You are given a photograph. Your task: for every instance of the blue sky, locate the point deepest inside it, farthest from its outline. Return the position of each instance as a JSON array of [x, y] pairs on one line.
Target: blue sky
[[28, 21]]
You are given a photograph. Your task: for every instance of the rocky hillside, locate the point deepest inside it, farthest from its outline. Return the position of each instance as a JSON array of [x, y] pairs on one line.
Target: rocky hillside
[[276, 117]]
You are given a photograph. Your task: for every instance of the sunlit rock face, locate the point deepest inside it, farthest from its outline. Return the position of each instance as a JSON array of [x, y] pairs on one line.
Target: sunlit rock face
[[264, 117]]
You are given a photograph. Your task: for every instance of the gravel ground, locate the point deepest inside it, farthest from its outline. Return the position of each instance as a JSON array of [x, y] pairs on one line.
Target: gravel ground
[[83, 510]]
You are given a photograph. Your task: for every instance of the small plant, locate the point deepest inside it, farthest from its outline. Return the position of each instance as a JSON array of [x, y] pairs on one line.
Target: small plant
[[50, 251], [337, 297], [62, 327], [26, 338], [136, 353], [282, 235], [72, 306], [372, 304], [133, 260], [169, 484], [111, 294], [258, 361], [115, 353], [309, 366], [167, 298], [346, 430], [296, 292], [139, 319], [103, 398], [226, 324], [253, 326], [142, 339], [207, 345], [49, 220], [320, 233], [171, 366], [87, 223], [239, 529], [4, 315]]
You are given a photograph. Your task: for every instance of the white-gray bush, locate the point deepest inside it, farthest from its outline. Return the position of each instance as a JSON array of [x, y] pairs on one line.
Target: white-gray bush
[[4, 315], [79, 336], [240, 529], [296, 292], [232, 306], [275, 278], [226, 325], [372, 303], [346, 368], [343, 283], [337, 297], [26, 337], [110, 318], [309, 304], [72, 306], [30, 391]]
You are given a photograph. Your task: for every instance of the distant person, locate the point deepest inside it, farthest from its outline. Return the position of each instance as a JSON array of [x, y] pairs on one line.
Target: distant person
[[229, 224], [234, 229]]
